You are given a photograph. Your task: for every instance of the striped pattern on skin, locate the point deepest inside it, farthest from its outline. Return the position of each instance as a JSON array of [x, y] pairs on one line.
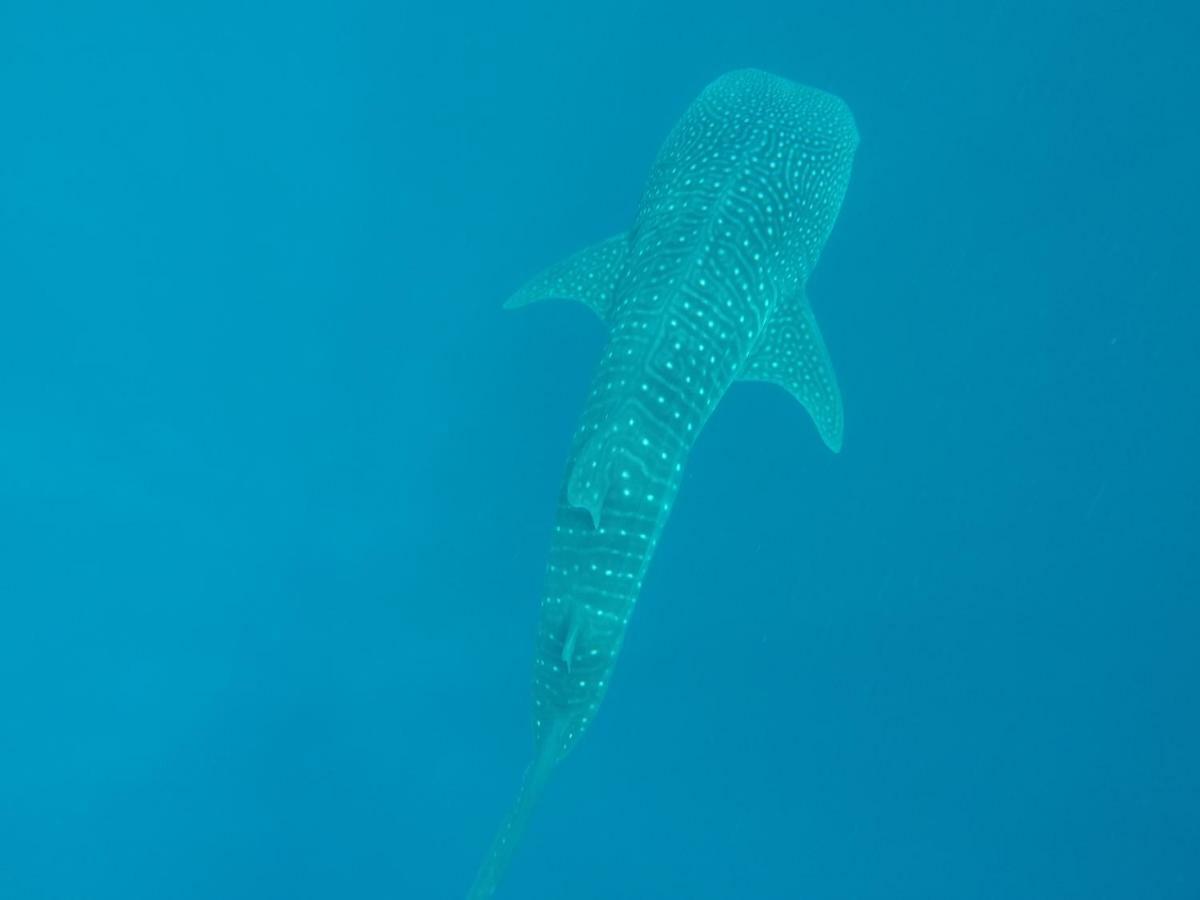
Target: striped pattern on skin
[[738, 205], [706, 288]]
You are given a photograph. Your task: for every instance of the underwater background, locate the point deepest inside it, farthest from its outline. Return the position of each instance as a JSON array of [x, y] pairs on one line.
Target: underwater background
[[277, 473]]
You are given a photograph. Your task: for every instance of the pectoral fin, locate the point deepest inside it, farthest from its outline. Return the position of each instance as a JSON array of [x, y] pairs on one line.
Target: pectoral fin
[[589, 276], [792, 354]]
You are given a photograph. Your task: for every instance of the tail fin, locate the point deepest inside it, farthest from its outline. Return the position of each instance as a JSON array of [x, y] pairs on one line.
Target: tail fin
[[495, 864]]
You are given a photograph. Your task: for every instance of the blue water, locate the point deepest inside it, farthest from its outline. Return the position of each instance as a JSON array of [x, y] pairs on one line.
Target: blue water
[[277, 474]]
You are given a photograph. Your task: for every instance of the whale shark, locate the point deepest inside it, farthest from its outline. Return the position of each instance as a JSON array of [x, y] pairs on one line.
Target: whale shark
[[708, 288]]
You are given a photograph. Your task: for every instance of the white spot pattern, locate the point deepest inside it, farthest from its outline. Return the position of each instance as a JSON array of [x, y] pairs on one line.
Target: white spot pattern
[[702, 291]]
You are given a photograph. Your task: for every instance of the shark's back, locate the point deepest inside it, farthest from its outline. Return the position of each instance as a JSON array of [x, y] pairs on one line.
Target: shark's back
[[707, 288]]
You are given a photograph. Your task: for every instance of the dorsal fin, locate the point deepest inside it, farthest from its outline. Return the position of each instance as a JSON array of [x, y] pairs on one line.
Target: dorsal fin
[[587, 485], [575, 620], [792, 354], [589, 276]]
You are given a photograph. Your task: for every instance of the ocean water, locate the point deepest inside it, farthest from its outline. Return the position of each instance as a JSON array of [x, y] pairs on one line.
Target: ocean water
[[277, 474]]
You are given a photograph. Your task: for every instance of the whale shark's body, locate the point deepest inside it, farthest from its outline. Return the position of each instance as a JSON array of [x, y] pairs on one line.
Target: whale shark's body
[[706, 289]]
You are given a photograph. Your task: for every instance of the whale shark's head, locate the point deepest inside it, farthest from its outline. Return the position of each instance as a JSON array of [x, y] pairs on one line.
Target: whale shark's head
[[788, 141], [754, 93]]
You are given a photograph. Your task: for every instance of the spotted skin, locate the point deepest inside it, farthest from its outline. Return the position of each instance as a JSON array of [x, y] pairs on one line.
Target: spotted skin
[[707, 288], [791, 353], [589, 276]]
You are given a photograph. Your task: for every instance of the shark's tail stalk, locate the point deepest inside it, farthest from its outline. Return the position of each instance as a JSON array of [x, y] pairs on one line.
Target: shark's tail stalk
[[495, 864]]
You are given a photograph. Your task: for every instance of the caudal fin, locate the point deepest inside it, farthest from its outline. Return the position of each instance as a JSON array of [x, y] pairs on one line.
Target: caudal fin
[[495, 864]]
